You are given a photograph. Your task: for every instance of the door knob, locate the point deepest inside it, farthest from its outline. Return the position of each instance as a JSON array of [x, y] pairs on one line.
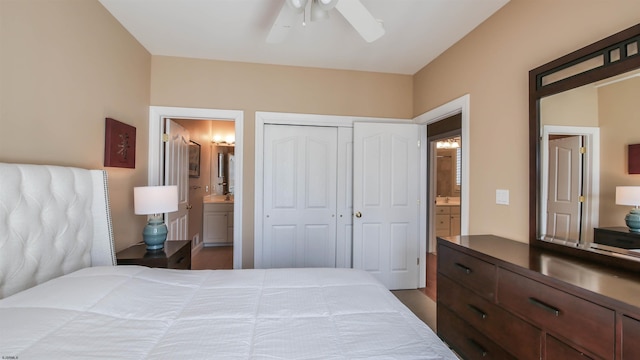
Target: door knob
[[358, 214], [189, 207]]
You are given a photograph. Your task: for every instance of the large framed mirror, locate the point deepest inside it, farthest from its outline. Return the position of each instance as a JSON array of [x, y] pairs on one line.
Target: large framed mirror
[[582, 116]]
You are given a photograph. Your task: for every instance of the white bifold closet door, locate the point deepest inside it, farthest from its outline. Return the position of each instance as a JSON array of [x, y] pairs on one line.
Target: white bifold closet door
[[300, 184]]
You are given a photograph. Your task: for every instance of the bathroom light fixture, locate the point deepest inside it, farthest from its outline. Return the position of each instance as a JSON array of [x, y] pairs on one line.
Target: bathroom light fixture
[[630, 195], [229, 140], [448, 144], [155, 201]]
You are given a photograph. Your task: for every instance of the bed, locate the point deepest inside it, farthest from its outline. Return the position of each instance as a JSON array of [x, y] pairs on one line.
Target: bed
[[64, 298]]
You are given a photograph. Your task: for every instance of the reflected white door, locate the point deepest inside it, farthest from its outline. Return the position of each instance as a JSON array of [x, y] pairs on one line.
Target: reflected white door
[[299, 225], [385, 202], [565, 188], [176, 172]]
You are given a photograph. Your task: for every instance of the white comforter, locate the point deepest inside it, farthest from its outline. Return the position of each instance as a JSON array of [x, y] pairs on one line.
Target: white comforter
[[131, 312]]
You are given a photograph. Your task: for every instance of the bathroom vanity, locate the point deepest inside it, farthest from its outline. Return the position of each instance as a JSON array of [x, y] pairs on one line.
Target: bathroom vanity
[[217, 220]]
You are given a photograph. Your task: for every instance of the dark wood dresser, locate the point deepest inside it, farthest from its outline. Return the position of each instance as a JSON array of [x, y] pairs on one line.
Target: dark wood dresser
[[176, 254], [501, 299]]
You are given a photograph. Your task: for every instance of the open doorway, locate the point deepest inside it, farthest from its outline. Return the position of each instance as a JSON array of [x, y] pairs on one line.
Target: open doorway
[[444, 183], [234, 119], [211, 183]]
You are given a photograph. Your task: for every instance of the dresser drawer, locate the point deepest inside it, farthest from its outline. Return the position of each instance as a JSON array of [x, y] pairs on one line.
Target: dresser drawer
[[515, 335], [181, 259], [630, 338], [584, 323], [468, 271], [556, 349], [465, 340]]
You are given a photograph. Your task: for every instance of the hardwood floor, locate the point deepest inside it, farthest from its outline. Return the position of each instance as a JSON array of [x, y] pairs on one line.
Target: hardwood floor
[[213, 258], [432, 270]]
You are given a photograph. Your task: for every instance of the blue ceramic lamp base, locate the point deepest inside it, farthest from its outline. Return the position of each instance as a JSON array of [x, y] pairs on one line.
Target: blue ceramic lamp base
[[155, 233], [633, 220]]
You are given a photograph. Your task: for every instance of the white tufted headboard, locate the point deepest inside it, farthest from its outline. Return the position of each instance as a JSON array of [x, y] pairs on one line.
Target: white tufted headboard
[[53, 220]]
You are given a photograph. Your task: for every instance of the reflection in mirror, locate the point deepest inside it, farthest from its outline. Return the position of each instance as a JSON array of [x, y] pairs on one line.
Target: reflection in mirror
[[571, 178], [585, 100]]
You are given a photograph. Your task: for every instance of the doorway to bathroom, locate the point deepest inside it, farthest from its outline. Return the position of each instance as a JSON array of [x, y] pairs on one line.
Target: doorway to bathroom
[[444, 154], [203, 169]]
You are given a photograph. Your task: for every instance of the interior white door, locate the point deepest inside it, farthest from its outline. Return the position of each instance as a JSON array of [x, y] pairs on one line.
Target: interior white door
[[565, 188], [299, 226], [386, 202], [176, 172]]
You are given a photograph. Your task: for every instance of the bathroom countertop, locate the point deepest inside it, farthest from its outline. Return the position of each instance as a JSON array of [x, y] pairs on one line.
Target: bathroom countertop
[[443, 201], [216, 199]]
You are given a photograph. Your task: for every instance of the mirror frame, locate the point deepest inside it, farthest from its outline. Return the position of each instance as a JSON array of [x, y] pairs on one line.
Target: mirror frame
[[537, 90]]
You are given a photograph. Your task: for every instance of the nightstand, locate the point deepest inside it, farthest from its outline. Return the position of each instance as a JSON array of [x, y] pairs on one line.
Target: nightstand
[[176, 254], [617, 236]]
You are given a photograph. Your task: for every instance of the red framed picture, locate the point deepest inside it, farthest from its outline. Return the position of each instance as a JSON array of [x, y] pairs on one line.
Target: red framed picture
[[634, 159], [119, 144]]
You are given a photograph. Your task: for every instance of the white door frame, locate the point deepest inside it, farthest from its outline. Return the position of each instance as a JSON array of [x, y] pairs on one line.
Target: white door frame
[[156, 116], [263, 118], [456, 106]]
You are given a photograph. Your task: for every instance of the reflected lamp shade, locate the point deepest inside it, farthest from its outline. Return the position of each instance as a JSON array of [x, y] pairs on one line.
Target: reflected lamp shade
[[155, 200], [630, 195]]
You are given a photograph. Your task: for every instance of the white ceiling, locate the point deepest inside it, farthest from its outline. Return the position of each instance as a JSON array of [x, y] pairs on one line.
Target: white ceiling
[[417, 31]]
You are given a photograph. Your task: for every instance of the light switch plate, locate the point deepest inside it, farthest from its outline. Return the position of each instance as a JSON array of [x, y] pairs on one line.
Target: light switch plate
[[502, 197]]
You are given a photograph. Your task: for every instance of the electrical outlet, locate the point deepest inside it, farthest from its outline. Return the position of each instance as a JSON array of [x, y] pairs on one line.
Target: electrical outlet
[[502, 197]]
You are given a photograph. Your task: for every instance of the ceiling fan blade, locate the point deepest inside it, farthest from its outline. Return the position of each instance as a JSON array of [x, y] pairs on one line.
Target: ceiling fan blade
[[361, 19], [284, 22]]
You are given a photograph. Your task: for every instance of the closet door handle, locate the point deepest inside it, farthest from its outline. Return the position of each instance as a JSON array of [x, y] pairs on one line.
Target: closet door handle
[[358, 214]]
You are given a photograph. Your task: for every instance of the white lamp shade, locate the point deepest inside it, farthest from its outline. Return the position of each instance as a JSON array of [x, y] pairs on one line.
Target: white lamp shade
[[155, 199], [628, 195]]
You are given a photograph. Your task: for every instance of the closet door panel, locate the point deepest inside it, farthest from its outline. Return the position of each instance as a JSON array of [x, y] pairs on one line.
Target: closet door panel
[[344, 235], [300, 196]]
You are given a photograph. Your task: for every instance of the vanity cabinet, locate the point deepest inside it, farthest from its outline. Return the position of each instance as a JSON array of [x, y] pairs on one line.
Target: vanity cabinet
[[447, 220], [218, 224], [499, 298]]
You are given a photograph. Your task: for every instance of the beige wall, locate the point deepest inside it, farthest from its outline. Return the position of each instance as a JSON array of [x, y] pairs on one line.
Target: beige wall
[[492, 64], [619, 127], [65, 66], [578, 107], [250, 87]]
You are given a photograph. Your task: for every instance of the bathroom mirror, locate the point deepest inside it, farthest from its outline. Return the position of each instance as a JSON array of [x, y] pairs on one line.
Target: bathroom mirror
[[222, 169], [572, 100]]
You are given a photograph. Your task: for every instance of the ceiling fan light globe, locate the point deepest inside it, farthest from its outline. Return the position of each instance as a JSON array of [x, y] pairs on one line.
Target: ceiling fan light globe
[[318, 14], [325, 4], [297, 5]]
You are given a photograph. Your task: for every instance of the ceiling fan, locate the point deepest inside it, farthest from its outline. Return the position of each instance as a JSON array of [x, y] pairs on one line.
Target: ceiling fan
[[356, 14]]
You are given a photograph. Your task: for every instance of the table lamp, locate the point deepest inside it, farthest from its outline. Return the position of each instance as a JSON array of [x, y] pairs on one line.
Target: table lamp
[[155, 201], [630, 195]]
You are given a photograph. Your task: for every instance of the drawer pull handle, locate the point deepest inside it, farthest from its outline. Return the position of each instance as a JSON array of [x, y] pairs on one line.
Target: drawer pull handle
[[480, 313], [180, 260], [478, 347], [464, 268], [544, 306]]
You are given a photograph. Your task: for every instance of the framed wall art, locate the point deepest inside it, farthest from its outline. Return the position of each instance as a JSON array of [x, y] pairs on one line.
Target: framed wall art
[[119, 144], [194, 159], [634, 159]]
